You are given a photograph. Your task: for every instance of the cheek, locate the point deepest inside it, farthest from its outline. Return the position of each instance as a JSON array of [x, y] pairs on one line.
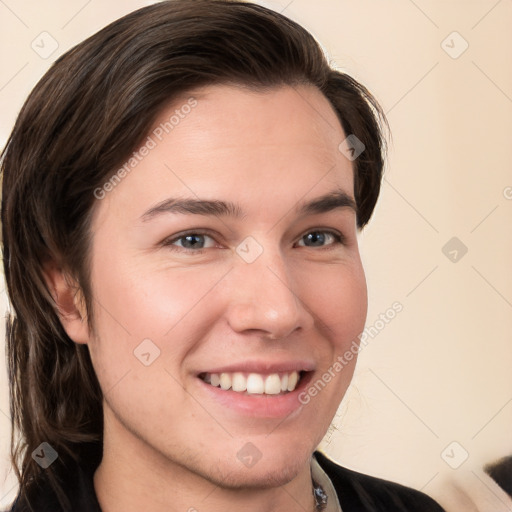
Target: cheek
[[170, 307], [339, 304], [338, 297], [156, 302]]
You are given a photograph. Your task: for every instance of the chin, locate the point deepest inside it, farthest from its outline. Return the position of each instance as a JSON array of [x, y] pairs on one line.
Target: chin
[[275, 468], [261, 476]]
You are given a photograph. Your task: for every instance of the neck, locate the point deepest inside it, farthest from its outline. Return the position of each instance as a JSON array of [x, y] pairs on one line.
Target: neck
[[132, 476]]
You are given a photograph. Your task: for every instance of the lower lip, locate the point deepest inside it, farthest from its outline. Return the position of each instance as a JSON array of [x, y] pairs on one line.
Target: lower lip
[[260, 406]]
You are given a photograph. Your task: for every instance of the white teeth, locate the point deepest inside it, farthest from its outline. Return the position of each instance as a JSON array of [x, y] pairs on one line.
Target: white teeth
[[254, 383], [292, 381], [273, 384], [225, 380], [284, 382], [239, 382]]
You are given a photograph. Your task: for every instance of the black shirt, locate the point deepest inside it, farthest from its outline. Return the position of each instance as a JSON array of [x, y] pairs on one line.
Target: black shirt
[[356, 492]]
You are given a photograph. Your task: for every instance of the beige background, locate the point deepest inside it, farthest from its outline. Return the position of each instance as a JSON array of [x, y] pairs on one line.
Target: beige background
[[441, 370]]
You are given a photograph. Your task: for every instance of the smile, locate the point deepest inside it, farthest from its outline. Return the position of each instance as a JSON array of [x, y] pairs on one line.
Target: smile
[[254, 383]]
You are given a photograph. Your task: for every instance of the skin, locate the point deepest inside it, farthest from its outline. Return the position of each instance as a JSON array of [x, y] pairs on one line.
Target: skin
[[168, 445]]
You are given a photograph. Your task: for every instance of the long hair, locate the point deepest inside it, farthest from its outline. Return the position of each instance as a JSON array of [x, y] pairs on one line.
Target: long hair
[[82, 120]]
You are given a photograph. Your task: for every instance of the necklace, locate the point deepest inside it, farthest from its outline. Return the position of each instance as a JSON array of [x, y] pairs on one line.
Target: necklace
[[320, 497]]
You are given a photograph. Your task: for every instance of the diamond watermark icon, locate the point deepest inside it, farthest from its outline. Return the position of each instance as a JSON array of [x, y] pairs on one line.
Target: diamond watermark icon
[[249, 249], [44, 455], [44, 45], [351, 147], [454, 455], [454, 45], [146, 352], [454, 249], [249, 455]]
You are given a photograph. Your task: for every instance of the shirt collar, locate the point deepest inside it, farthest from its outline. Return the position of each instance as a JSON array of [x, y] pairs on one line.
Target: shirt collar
[[321, 477]]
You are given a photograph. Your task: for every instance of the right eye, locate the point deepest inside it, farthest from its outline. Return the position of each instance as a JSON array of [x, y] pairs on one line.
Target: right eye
[[191, 241]]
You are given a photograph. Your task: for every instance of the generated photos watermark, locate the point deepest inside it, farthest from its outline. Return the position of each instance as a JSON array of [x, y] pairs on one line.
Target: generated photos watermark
[[357, 345], [151, 142]]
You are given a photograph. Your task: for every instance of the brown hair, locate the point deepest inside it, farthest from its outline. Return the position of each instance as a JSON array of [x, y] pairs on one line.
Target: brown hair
[[80, 123]]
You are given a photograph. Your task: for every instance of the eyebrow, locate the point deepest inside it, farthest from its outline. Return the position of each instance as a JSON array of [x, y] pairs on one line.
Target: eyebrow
[[216, 208]]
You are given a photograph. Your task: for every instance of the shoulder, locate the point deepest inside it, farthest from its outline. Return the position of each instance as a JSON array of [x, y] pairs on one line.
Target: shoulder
[[76, 482], [501, 472], [41, 499], [365, 493], [78, 491]]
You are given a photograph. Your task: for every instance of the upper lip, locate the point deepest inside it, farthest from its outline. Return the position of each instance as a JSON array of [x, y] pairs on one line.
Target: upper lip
[[264, 367]]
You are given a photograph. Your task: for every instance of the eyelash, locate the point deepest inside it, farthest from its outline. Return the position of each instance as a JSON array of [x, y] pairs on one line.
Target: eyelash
[[339, 239]]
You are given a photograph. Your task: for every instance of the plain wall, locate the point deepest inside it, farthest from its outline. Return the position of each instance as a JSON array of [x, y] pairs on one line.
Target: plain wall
[[440, 371]]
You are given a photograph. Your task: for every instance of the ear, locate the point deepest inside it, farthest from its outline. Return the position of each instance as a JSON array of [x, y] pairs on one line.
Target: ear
[[69, 302]]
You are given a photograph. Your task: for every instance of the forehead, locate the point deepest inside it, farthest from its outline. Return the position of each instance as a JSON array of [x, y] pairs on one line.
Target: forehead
[[226, 141], [226, 117]]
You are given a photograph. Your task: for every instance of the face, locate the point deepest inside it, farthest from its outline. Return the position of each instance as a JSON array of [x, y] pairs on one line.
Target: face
[[219, 277]]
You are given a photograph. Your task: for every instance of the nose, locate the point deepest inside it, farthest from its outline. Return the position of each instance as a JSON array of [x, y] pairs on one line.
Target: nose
[[265, 299]]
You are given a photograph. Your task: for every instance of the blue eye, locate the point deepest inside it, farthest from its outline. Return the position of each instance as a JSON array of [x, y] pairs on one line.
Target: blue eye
[[191, 241], [319, 238]]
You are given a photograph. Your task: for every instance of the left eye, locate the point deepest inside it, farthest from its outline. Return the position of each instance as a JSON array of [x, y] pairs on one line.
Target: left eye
[[193, 241], [319, 238]]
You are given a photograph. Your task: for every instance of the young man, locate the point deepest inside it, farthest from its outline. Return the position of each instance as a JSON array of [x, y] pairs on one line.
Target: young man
[[182, 194]]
